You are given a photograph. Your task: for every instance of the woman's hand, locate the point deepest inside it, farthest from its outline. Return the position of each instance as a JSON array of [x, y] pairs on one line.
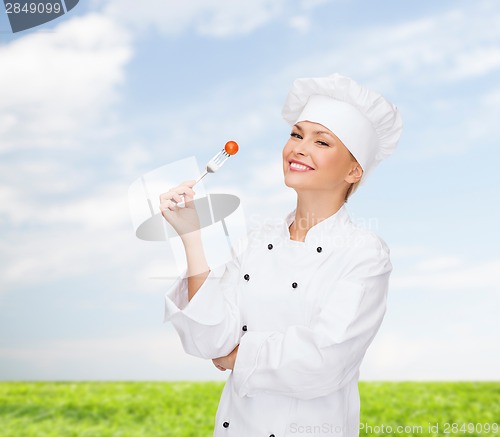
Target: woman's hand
[[184, 220], [227, 362]]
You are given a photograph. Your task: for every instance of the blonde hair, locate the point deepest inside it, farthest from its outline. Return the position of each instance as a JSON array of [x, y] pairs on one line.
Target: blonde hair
[[350, 191]]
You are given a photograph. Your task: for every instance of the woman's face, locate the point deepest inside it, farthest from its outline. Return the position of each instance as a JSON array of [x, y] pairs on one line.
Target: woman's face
[[315, 159]]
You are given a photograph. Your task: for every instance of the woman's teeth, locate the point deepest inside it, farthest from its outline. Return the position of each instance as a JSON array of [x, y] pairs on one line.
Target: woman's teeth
[[296, 166]]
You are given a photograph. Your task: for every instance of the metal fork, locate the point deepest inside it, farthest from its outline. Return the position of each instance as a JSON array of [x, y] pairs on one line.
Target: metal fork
[[214, 164]]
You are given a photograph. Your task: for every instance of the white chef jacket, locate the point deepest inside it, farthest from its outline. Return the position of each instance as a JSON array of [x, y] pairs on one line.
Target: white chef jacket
[[303, 313]]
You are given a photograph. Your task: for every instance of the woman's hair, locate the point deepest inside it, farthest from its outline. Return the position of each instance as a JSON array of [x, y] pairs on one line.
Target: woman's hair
[[350, 191]]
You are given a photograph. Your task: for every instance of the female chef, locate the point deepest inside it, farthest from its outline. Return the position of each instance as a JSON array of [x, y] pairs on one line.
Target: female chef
[[293, 314]]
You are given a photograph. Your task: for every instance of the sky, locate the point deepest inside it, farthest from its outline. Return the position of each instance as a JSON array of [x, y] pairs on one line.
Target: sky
[[112, 91]]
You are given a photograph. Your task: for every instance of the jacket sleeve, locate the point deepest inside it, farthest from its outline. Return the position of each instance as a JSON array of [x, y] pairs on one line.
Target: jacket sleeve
[[208, 324], [312, 361]]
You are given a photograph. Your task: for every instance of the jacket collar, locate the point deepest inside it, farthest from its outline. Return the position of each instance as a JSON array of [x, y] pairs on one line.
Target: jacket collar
[[321, 229]]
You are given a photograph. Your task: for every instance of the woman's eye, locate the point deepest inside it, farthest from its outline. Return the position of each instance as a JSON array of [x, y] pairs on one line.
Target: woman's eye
[[322, 143], [295, 135]]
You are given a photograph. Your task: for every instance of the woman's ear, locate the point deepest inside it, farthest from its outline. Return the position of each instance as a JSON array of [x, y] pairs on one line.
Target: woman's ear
[[355, 174]]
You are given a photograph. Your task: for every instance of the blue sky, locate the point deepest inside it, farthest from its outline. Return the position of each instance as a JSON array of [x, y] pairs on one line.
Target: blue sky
[[111, 91]]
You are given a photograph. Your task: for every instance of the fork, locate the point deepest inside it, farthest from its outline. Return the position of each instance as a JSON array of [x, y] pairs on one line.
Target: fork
[[214, 164]]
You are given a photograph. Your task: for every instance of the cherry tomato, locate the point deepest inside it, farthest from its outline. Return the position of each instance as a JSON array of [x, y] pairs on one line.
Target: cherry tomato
[[231, 147]]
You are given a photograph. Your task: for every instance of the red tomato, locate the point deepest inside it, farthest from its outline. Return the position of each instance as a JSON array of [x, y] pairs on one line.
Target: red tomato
[[231, 147]]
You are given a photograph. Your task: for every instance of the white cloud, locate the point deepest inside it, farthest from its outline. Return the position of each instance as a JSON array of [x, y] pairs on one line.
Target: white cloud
[[300, 23], [449, 274], [154, 355], [455, 45], [52, 239], [7, 122], [58, 84], [396, 355], [218, 18], [478, 62], [239, 16], [420, 267], [45, 257], [309, 4], [105, 207], [405, 251], [491, 99], [435, 264]]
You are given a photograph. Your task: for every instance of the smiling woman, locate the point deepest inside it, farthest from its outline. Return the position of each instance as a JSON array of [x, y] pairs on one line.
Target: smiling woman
[[293, 314], [330, 165]]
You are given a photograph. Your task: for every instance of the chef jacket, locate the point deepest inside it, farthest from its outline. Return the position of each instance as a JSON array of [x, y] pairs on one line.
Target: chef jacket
[[303, 314]]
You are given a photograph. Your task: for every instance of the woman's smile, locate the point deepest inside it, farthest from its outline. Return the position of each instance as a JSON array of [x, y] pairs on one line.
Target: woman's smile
[[299, 166]]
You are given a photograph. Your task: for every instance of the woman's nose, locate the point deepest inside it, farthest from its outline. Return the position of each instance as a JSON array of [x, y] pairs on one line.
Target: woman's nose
[[300, 148]]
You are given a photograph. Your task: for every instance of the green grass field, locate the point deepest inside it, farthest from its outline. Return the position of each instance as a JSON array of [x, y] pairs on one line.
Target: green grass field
[[182, 409]]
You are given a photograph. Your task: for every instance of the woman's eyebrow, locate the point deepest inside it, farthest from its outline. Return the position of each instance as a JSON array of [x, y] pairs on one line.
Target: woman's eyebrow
[[319, 132]]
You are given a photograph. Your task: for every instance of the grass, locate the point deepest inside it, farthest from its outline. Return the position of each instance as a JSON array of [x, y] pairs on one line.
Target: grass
[[436, 404], [187, 409]]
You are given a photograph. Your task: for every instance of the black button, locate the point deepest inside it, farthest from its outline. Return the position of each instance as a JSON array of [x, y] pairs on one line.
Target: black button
[[319, 249], [247, 276], [294, 285], [272, 435], [269, 246], [244, 327], [225, 424]]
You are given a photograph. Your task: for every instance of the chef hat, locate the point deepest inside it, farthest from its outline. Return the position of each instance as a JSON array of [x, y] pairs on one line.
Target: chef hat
[[366, 123]]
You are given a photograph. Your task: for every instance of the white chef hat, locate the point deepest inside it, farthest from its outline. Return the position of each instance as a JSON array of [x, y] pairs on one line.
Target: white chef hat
[[366, 123]]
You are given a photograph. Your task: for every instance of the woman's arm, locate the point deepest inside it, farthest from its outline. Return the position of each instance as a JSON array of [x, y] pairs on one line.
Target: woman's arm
[[201, 304], [208, 324], [197, 266], [186, 223], [226, 362]]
